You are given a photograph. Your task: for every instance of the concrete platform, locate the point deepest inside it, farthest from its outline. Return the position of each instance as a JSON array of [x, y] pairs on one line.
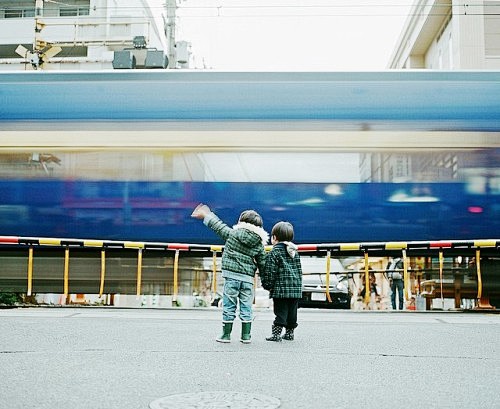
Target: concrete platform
[[86, 357]]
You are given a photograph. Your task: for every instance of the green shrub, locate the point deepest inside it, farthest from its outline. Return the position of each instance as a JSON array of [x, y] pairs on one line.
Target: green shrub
[[10, 298]]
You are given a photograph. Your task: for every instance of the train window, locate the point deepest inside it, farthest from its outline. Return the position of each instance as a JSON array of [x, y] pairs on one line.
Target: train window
[[482, 181], [477, 168], [282, 166]]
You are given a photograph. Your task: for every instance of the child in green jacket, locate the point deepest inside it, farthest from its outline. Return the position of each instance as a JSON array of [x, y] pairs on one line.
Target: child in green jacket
[[243, 254]]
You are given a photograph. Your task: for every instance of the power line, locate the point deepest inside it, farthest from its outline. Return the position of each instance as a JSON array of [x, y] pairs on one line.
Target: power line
[[334, 10]]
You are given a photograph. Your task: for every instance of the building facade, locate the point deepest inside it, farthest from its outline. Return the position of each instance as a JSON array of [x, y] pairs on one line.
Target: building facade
[[440, 35], [75, 34], [449, 34]]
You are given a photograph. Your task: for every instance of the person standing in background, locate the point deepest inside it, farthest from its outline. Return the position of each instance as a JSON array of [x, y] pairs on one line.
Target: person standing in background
[[396, 281]]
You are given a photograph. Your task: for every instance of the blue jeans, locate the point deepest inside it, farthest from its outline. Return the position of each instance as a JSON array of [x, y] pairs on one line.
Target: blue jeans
[[235, 290], [399, 286]]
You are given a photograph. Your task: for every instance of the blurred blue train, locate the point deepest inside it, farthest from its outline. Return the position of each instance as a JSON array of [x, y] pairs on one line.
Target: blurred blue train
[[427, 149], [152, 211]]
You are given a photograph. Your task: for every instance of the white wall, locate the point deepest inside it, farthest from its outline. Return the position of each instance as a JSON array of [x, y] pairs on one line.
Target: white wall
[[441, 55]]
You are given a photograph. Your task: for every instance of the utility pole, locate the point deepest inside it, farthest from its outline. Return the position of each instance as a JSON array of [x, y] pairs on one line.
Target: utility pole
[[39, 44], [171, 8], [38, 8]]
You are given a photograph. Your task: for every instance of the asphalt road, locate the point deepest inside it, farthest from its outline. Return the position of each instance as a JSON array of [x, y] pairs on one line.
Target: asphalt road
[[89, 357]]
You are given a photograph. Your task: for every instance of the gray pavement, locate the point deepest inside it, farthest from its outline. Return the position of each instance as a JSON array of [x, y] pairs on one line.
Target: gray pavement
[[89, 357]]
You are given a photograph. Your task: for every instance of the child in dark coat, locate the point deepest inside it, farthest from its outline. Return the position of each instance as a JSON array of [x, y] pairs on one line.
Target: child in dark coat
[[282, 276]]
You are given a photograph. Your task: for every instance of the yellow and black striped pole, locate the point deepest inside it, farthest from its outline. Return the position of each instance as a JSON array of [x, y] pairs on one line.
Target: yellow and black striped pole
[[30, 271], [327, 284]]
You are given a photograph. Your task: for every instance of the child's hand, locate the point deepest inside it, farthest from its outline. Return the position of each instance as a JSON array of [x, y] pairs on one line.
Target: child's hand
[[201, 211]]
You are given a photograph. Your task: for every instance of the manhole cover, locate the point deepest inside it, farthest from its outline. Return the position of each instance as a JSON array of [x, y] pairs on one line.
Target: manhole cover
[[213, 400]]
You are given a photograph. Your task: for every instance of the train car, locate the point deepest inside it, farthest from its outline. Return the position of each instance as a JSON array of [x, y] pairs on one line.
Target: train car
[[347, 157], [344, 156]]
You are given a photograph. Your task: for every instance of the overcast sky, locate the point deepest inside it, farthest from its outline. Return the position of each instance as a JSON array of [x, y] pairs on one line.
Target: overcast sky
[[290, 34]]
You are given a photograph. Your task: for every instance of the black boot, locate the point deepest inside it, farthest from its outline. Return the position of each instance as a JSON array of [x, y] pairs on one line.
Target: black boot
[[288, 334], [276, 337]]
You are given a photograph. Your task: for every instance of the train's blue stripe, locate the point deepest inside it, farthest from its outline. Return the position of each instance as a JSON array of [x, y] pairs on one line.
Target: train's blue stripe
[[365, 212]]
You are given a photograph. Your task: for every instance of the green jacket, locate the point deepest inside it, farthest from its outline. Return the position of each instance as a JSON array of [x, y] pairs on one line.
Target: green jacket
[[244, 251], [282, 275]]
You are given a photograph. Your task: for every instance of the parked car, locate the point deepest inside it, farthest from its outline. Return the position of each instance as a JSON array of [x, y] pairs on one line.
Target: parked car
[[314, 284]]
